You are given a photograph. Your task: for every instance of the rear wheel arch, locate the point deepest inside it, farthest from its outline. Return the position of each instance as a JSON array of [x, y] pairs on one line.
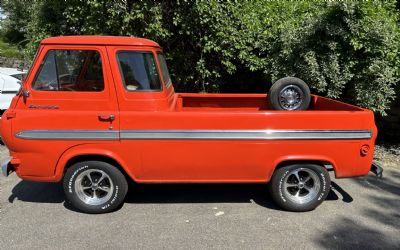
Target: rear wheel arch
[[327, 164]]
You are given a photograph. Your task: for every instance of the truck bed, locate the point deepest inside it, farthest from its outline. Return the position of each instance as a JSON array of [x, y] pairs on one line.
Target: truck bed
[[249, 102]]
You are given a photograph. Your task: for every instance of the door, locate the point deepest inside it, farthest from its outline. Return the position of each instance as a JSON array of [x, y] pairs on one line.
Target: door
[[71, 101]]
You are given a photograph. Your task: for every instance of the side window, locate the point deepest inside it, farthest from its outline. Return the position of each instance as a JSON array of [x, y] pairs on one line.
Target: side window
[[164, 69], [70, 70], [138, 71]]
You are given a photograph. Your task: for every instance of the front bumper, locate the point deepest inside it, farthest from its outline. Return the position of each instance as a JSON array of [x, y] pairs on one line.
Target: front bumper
[[7, 168], [376, 169]]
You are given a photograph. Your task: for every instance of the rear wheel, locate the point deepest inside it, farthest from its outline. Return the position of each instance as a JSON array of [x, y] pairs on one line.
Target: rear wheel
[[95, 186], [300, 187]]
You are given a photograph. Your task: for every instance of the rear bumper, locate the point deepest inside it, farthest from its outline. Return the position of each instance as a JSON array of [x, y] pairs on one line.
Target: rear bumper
[[7, 168], [376, 169]]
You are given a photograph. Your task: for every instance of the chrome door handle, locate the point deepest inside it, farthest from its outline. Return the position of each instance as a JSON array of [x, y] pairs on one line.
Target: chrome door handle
[[104, 117]]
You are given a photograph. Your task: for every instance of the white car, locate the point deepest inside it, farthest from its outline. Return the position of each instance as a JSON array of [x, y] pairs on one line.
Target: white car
[[16, 73], [10, 83]]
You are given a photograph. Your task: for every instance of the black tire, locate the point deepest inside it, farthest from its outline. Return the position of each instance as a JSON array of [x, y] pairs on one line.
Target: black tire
[[283, 191], [102, 202], [289, 85]]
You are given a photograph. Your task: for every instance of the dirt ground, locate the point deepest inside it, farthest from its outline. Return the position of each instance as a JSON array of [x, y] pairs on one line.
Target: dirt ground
[[388, 155]]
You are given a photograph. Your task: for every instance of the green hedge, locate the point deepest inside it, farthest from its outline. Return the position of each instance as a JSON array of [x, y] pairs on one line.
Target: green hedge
[[347, 49]]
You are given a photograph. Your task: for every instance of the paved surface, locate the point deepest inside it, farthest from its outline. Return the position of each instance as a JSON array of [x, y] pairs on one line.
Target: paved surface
[[360, 213]]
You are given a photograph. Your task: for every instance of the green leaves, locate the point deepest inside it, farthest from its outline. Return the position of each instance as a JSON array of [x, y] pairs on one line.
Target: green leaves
[[344, 50]]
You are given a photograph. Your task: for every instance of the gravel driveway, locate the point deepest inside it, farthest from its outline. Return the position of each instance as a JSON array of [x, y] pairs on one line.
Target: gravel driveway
[[359, 213]]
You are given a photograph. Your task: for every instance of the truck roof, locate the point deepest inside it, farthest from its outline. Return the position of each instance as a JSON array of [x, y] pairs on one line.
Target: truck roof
[[100, 40]]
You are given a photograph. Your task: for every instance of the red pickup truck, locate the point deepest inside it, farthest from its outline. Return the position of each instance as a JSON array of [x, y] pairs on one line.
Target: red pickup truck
[[97, 110]]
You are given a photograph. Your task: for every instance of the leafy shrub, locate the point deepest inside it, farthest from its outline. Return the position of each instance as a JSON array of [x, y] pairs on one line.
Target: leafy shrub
[[347, 49]]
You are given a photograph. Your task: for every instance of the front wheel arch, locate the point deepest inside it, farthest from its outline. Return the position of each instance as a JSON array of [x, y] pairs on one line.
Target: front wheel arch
[[87, 152], [95, 157]]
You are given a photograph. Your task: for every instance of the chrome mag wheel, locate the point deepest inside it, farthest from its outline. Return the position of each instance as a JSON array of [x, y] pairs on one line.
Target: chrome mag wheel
[[291, 97], [301, 185], [94, 187]]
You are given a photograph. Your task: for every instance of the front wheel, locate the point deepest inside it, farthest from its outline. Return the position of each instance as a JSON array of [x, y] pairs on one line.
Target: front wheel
[[94, 186], [300, 187]]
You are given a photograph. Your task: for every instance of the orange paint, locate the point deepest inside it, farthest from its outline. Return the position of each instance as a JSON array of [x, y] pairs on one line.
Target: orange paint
[[198, 153]]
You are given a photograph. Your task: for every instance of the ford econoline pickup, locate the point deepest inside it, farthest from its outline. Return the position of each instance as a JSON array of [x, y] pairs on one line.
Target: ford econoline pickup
[[96, 111]]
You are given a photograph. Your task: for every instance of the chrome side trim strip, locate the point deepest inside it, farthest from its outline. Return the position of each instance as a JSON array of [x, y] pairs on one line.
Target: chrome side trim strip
[[68, 135], [245, 134], [195, 134]]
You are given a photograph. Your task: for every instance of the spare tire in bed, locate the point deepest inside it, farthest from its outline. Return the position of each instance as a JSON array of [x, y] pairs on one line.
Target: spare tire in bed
[[289, 93]]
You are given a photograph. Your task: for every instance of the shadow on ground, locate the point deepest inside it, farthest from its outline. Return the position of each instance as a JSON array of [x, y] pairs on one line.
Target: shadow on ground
[[40, 192], [349, 233], [168, 193], [158, 193], [335, 190]]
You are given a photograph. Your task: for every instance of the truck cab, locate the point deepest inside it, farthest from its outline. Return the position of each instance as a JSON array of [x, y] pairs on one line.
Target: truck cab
[[96, 110]]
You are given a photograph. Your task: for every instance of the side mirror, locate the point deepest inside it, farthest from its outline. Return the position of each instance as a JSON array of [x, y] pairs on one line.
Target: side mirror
[[25, 92]]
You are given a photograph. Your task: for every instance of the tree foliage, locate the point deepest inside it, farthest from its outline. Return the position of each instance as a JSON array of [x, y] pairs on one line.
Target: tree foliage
[[346, 49]]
